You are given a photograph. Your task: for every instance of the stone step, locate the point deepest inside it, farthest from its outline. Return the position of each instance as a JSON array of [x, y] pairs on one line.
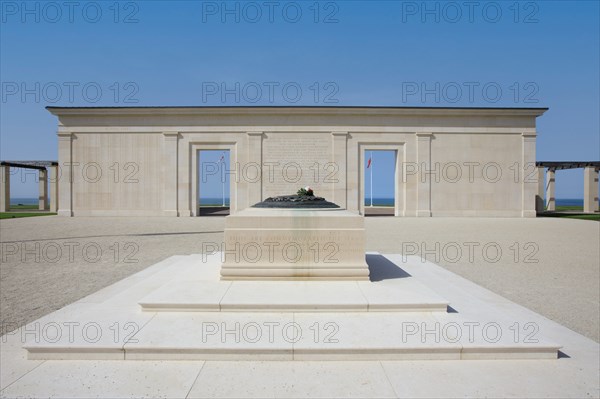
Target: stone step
[[305, 336], [400, 295], [244, 320]]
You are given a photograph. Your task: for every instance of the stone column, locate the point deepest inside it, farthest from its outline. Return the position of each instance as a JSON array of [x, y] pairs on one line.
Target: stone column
[[541, 188], [65, 184], [590, 189], [53, 183], [170, 163], [338, 158], [4, 188], [43, 189], [550, 199], [529, 173], [424, 174], [253, 169]]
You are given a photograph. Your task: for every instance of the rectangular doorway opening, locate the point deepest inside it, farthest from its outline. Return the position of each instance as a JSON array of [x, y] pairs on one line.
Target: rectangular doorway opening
[[213, 182], [379, 189], [28, 189]]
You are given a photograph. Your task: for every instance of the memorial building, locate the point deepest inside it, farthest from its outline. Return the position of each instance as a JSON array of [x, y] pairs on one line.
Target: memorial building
[[143, 161]]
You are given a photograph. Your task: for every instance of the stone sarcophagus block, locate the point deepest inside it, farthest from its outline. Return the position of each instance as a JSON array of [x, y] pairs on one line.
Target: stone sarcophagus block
[[294, 244]]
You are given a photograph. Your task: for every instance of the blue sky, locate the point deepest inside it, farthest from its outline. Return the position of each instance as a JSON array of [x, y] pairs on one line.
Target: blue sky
[[525, 54]]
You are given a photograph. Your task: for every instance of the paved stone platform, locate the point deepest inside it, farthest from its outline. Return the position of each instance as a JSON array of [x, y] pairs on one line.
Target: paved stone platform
[[115, 313], [203, 318]]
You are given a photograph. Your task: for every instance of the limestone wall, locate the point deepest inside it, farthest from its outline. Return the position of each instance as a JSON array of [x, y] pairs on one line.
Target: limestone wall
[[117, 173], [450, 162], [476, 174]]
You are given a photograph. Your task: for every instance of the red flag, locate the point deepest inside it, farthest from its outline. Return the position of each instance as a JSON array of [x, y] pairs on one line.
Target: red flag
[[369, 164]]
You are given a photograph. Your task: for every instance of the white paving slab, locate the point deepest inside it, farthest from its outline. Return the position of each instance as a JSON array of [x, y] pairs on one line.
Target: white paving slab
[[106, 379], [292, 380], [209, 336], [401, 294], [13, 359], [125, 285], [186, 295], [492, 378], [200, 267], [178, 268], [489, 337], [367, 336], [90, 333]]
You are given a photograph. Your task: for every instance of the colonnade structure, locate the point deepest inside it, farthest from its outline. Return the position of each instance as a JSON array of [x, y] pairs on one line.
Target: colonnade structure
[[48, 177], [548, 187]]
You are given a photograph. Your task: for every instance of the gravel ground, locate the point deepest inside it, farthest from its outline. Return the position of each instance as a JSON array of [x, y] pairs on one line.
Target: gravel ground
[[551, 266]]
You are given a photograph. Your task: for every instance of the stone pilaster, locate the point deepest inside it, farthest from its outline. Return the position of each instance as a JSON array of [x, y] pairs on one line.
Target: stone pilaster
[[424, 175], [253, 169], [65, 184], [529, 176], [170, 162], [339, 159]]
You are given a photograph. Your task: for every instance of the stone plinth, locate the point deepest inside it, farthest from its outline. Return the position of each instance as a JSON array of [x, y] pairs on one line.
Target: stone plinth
[[294, 244]]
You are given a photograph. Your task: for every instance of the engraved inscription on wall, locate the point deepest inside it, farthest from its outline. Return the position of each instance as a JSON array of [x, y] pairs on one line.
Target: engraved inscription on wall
[[294, 160]]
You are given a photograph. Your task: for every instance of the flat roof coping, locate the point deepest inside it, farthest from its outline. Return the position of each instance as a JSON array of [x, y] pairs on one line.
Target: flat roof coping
[[296, 110]]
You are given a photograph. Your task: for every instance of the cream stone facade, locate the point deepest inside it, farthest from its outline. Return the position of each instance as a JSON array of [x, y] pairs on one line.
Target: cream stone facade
[[449, 161]]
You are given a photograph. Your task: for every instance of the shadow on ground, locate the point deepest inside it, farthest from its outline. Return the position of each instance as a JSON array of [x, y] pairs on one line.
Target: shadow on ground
[[213, 211], [381, 268], [379, 211]]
